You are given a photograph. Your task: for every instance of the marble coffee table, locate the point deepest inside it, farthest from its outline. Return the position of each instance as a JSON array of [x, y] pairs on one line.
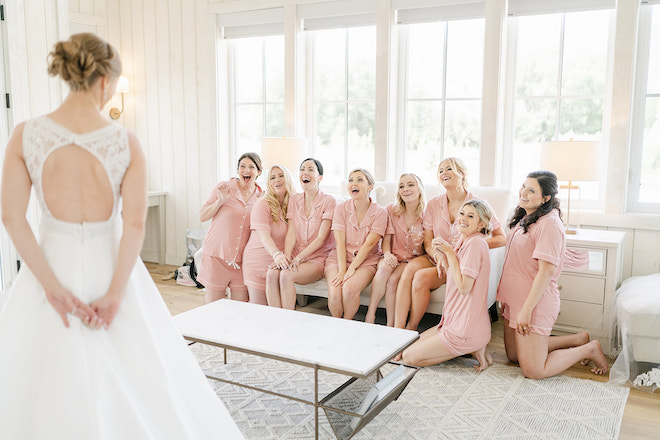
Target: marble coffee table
[[320, 342]]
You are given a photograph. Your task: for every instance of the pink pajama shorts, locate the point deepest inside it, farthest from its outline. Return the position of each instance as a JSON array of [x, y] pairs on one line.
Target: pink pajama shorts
[[370, 263], [540, 324], [216, 274]]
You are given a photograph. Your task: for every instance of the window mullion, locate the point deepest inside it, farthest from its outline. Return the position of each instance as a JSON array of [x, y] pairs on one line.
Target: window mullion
[[560, 74], [346, 67], [444, 91]]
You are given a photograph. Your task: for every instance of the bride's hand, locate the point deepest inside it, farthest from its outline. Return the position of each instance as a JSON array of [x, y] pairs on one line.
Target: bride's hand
[[106, 309], [65, 302]]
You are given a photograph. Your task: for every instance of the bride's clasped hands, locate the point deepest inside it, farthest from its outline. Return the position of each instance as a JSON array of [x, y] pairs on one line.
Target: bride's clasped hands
[[96, 316]]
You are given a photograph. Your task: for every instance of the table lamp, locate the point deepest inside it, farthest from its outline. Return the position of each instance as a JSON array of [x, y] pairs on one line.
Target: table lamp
[[571, 161], [285, 151]]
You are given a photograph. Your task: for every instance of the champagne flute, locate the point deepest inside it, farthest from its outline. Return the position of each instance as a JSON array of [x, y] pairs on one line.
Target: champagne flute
[[416, 238]]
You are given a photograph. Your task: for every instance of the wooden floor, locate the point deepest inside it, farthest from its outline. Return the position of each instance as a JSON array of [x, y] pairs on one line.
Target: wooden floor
[[641, 418]]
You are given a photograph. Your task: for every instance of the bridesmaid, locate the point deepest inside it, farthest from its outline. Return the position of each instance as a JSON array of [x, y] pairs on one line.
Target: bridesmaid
[[403, 241], [358, 225], [420, 276], [535, 250], [465, 324], [308, 238], [269, 226], [228, 207]]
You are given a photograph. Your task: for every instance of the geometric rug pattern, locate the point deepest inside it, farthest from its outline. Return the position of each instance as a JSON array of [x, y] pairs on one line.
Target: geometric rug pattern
[[447, 401]]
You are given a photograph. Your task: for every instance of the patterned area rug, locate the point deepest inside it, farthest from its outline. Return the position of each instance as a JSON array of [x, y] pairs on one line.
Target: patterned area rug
[[449, 401]]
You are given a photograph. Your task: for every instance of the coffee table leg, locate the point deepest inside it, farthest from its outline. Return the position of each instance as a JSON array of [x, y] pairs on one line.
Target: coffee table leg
[[316, 401]]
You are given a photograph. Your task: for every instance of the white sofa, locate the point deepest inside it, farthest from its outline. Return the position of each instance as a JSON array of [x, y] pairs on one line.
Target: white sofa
[[500, 199]]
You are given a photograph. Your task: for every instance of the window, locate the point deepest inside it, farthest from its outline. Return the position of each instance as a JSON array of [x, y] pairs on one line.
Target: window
[[343, 79], [257, 79], [442, 95], [645, 157], [559, 73]]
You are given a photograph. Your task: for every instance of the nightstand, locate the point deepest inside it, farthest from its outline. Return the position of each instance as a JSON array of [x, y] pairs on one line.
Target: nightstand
[[585, 291]]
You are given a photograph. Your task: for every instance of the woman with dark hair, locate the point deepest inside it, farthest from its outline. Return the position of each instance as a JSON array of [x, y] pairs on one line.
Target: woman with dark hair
[[535, 249], [228, 207], [308, 239]]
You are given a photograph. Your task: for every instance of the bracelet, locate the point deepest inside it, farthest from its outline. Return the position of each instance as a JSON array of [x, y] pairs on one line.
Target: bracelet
[[298, 258], [275, 254]]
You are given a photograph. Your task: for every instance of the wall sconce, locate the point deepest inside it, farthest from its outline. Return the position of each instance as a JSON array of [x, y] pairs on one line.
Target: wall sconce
[[122, 87], [288, 152], [571, 160]]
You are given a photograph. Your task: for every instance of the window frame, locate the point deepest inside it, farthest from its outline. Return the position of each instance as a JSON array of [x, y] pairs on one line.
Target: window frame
[[511, 101], [311, 104], [403, 100], [640, 95]]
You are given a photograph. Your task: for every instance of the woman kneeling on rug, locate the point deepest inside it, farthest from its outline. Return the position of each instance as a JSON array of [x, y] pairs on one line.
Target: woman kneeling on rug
[[535, 249], [465, 324]]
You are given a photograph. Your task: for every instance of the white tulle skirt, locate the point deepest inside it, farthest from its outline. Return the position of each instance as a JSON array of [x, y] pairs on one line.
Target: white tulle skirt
[[137, 380]]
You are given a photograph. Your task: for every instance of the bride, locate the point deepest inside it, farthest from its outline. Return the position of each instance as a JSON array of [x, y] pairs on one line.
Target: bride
[[89, 350]]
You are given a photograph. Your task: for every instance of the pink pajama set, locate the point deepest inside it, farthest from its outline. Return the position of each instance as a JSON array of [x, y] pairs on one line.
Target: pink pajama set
[[465, 323], [436, 218], [345, 219], [307, 228], [545, 240], [403, 246], [222, 250], [256, 258]]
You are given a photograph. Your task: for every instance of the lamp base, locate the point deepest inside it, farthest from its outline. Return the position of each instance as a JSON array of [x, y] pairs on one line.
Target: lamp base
[[571, 230]]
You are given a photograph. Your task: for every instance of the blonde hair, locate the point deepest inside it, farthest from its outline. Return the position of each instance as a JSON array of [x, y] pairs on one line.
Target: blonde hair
[[400, 205], [459, 166], [271, 197], [483, 211], [82, 59], [367, 174]]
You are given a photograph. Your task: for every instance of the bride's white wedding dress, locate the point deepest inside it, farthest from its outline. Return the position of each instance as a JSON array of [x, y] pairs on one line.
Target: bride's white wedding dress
[[137, 380]]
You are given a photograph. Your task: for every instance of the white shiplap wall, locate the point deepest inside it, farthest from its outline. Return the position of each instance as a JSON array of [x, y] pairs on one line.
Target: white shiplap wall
[[168, 48]]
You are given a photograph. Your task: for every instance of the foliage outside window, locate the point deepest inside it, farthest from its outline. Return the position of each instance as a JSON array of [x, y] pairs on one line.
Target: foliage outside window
[[344, 90], [443, 89], [560, 75], [258, 77]]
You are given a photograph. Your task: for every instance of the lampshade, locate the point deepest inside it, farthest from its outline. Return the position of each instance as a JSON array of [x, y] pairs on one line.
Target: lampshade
[[122, 84], [571, 160], [285, 151]]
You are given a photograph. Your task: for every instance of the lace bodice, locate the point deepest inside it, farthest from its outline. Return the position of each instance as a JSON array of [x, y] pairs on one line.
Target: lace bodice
[[109, 144]]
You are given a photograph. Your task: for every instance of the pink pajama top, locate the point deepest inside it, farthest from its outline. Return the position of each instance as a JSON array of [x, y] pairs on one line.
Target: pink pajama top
[[345, 219], [545, 240], [436, 218], [230, 226], [465, 320], [405, 246], [256, 257], [307, 228]]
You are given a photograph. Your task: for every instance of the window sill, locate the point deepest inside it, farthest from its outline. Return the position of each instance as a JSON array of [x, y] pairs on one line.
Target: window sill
[[628, 220]]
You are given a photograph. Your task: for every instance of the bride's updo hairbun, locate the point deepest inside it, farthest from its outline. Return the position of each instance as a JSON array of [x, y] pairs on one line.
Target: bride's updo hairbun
[[82, 59]]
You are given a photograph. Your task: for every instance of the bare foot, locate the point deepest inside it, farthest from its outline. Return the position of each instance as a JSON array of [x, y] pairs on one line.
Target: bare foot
[[397, 358], [484, 357], [598, 357], [581, 339], [370, 318]]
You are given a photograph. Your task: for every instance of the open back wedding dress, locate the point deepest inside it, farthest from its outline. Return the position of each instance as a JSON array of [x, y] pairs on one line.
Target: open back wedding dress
[[137, 380]]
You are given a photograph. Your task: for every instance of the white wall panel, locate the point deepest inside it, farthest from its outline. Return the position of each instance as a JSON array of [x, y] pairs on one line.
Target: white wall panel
[[646, 253]]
